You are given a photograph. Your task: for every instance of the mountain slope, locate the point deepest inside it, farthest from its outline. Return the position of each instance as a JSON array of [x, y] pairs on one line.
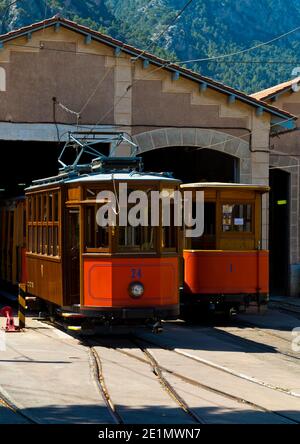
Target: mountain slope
[[207, 28]]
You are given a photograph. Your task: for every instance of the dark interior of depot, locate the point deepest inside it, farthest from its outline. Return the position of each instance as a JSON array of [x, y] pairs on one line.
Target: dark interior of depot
[[23, 162]]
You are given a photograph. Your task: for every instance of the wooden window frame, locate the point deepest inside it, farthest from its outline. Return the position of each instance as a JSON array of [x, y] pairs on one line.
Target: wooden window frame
[[38, 220]]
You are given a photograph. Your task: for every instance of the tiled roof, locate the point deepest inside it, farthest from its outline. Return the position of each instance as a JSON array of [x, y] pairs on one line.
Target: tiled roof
[[57, 19], [280, 88]]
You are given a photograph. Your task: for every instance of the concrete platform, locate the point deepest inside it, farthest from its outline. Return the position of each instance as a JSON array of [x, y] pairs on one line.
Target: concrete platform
[[286, 303], [47, 375]]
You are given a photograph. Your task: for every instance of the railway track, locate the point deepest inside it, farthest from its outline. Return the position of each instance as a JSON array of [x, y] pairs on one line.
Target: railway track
[[211, 388], [99, 378], [225, 370], [248, 345], [158, 371], [6, 403], [155, 368], [162, 371]]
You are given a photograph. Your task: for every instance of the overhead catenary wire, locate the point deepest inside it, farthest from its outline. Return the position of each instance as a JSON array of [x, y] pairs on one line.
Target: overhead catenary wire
[[78, 114], [178, 15], [242, 51], [108, 71], [204, 59], [154, 70], [263, 62], [171, 23]]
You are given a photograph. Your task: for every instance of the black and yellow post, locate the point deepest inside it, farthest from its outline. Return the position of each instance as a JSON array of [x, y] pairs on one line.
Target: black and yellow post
[[22, 305]]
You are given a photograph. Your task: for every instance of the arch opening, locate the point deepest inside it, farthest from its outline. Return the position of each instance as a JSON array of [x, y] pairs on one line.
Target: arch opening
[[279, 232], [191, 164]]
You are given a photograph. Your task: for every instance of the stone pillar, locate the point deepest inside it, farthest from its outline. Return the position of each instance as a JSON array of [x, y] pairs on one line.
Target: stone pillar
[[260, 159], [123, 99]]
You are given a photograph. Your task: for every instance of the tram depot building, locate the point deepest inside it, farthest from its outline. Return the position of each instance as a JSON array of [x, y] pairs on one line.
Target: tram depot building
[[57, 76]]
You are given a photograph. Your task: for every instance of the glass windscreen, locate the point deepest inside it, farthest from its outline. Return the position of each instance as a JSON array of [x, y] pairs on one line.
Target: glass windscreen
[[236, 217], [208, 239], [95, 235]]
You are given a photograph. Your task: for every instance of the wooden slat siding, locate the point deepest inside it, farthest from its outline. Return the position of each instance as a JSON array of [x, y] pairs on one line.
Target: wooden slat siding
[[46, 274], [45, 271], [14, 256]]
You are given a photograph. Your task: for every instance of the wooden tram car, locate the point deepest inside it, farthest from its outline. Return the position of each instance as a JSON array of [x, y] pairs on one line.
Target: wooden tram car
[[13, 241], [51, 241], [110, 273], [225, 269]]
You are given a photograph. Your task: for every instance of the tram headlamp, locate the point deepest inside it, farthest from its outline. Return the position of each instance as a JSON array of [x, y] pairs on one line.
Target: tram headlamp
[[136, 290]]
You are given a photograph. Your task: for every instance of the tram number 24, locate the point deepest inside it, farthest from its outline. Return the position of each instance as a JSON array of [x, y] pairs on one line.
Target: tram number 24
[[136, 273]]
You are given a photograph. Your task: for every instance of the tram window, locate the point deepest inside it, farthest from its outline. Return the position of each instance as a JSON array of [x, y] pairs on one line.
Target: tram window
[[95, 235], [30, 236], [169, 233], [237, 218], [34, 231], [44, 207], [39, 239], [44, 240], [33, 208], [30, 208], [169, 237], [55, 206], [42, 229], [208, 239], [38, 207], [55, 241], [140, 238], [50, 241], [50, 207]]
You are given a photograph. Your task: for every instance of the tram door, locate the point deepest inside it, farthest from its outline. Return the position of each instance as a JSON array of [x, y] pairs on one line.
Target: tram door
[[73, 256]]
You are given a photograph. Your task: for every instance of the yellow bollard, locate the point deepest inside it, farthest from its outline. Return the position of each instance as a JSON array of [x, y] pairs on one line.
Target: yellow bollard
[[22, 305]]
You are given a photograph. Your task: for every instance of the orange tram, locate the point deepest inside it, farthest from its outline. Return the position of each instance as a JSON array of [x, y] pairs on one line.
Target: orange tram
[[50, 240], [112, 274], [226, 269]]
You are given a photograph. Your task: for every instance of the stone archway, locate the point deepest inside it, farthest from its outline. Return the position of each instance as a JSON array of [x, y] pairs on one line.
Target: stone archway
[[291, 165], [201, 138]]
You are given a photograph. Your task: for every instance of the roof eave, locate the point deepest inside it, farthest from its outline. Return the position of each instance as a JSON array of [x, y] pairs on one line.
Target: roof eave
[[258, 104]]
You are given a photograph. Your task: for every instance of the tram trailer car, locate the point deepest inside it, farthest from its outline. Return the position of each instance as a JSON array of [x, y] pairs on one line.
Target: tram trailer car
[[226, 269], [113, 274], [12, 241]]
